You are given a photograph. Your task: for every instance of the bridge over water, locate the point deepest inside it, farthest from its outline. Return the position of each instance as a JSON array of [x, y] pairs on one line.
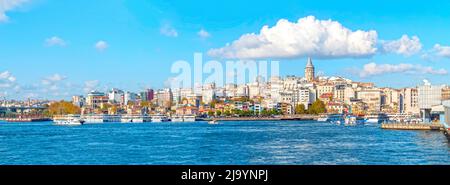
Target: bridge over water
[[19, 109]]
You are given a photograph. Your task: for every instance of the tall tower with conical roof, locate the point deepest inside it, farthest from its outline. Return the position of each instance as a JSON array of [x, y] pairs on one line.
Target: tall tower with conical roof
[[309, 70]]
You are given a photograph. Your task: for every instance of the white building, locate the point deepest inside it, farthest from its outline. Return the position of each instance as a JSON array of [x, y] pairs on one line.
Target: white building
[[429, 96], [115, 96]]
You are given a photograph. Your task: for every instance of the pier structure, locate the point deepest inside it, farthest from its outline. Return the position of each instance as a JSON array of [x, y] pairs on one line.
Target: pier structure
[[412, 126]]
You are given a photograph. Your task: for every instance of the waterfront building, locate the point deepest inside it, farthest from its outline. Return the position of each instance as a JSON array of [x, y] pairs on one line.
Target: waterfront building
[[409, 101], [445, 93], [208, 95], [335, 107], [115, 96], [349, 93], [357, 106], [326, 88], [309, 71], [129, 97], [242, 90], [302, 96], [147, 95], [339, 93], [230, 90], [78, 100], [276, 86], [285, 108], [96, 99], [372, 97], [287, 97], [164, 98], [429, 96]]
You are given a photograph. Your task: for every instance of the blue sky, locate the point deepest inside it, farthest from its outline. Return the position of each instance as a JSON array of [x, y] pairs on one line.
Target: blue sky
[[48, 47]]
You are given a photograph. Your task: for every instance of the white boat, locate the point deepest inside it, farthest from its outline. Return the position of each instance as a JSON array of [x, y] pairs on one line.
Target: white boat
[[135, 119], [336, 119], [189, 118], [354, 120], [213, 122], [68, 120], [376, 118], [322, 119], [159, 118], [176, 118]]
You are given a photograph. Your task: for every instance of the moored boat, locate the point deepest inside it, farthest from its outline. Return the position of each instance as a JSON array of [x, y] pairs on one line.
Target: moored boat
[[354, 120], [336, 119], [213, 122], [176, 118], [189, 118], [68, 120], [159, 118], [376, 118]]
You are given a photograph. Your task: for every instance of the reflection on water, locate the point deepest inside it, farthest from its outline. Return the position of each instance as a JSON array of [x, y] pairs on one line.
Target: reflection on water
[[288, 142]]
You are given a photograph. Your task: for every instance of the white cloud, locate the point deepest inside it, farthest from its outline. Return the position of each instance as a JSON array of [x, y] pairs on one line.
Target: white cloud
[[405, 46], [101, 45], [52, 84], [51, 80], [7, 80], [306, 37], [373, 69], [441, 51], [8, 5], [168, 30], [55, 41], [90, 85], [203, 34]]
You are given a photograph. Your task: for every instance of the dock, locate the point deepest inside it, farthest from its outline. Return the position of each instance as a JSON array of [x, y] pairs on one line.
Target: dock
[[277, 118], [412, 126], [26, 119]]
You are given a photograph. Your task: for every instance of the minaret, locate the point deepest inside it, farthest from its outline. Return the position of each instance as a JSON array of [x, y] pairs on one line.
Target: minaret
[[309, 70]]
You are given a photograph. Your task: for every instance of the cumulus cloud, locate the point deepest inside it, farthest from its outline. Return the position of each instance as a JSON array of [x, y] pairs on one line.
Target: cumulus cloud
[[50, 80], [55, 41], [203, 34], [101, 45], [306, 37], [53, 84], [404, 46], [8, 5], [90, 85], [373, 69], [442, 51], [168, 30], [7, 80]]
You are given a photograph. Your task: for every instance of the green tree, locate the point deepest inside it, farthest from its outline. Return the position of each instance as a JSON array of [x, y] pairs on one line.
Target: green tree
[[218, 113], [227, 113], [317, 107], [300, 109], [210, 113]]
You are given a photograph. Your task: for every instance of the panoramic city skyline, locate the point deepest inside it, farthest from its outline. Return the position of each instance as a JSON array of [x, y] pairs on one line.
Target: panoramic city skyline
[[53, 49]]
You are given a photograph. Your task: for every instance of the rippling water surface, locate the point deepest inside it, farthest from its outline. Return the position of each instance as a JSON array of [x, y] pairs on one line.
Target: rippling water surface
[[259, 142]]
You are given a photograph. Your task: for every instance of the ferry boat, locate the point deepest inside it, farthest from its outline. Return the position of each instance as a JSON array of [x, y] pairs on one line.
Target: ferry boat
[[135, 119], [354, 120], [176, 118], [376, 118], [336, 119], [322, 119], [189, 118], [101, 118], [159, 118], [68, 120], [213, 122]]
